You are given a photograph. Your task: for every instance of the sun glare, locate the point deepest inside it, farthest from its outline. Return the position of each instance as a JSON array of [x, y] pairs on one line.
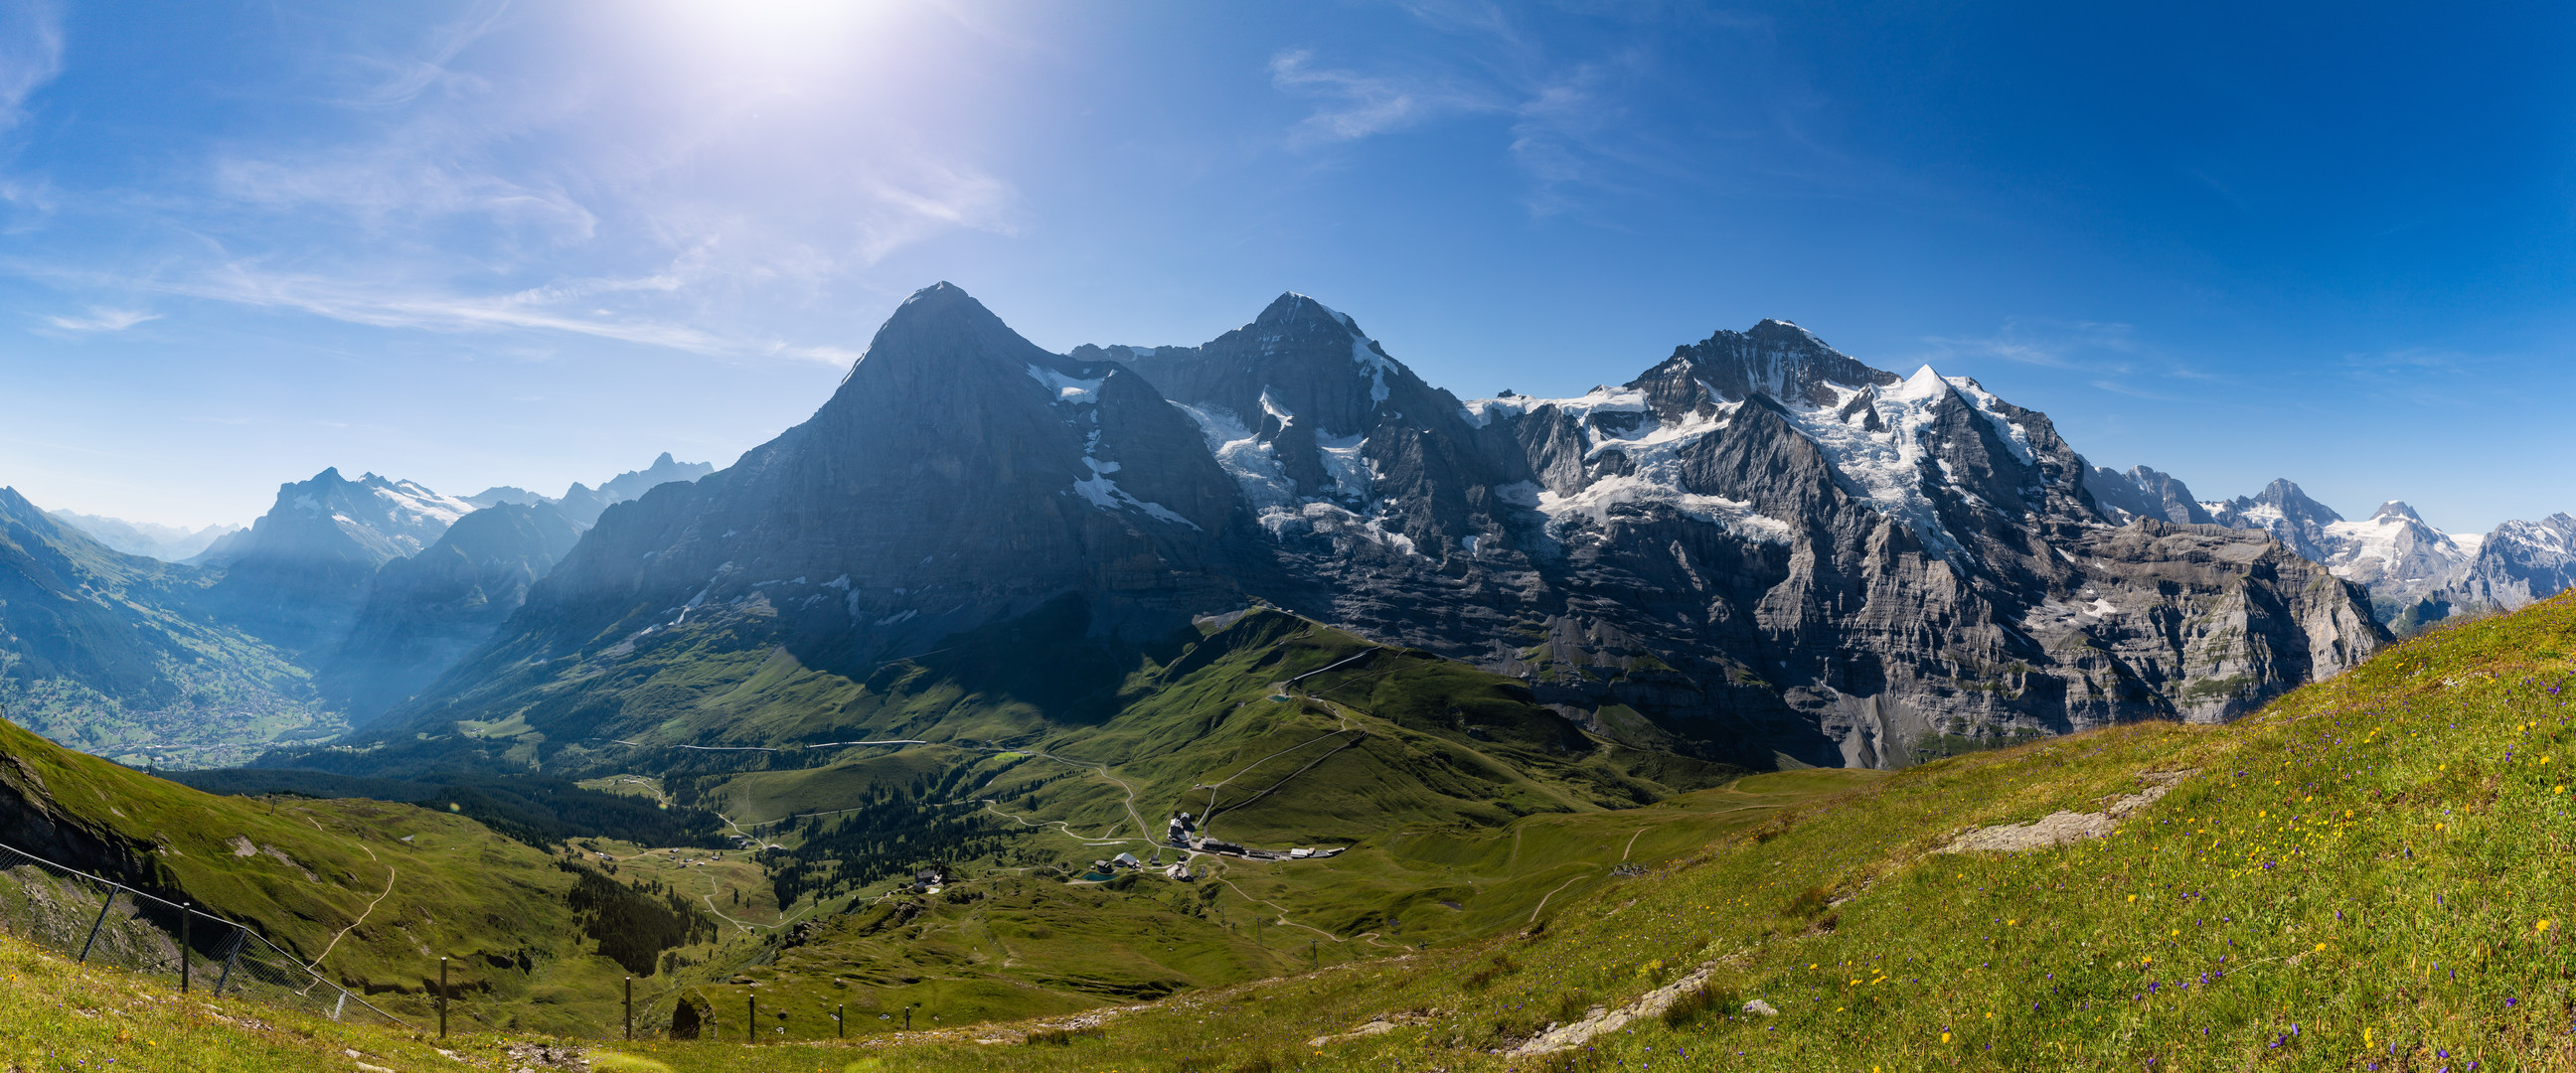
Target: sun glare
[[779, 31]]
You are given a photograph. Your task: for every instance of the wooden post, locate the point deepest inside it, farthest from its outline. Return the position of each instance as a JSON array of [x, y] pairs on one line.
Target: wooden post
[[187, 910], [840, 1022], [630, 1007], [97, 924], [241, 934], [442, 998], [750, 1018]]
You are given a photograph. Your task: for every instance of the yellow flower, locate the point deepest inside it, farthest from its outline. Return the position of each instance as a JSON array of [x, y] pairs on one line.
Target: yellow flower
[[2542, 926], [2133, 897], [2321, 946], [2365, 1037], [1945, 1037]]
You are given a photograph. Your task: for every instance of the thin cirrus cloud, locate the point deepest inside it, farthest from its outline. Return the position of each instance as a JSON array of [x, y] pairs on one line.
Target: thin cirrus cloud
[[2080, 345], [101, 319], [1566, 127], [1356, 105], [430, 310], [31, 54]]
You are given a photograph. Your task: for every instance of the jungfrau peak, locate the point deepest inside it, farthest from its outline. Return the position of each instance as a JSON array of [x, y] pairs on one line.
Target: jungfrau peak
[[1760, 550]]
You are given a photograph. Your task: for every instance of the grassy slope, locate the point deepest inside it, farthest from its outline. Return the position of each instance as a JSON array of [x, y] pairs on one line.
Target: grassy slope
[[1426, 768], [384, 909], [2359, 874]]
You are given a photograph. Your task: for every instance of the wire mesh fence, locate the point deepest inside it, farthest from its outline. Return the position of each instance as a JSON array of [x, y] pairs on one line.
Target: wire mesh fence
[[99, 921]]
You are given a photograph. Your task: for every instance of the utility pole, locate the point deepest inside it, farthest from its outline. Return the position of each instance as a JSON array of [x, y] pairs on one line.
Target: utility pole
[[442, 998]]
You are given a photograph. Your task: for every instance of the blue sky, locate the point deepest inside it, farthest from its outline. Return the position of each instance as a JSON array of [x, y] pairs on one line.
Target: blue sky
[[477, 243]]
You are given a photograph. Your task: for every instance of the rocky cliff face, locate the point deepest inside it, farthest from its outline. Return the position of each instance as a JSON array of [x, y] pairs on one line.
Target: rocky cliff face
[[2520, 562], [1759, 550], [424, 612]]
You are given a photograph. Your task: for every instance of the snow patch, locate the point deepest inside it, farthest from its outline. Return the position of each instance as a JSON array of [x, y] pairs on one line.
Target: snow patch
[[1352, 473], [1254, 465], [1105, 494], [1065, 388]]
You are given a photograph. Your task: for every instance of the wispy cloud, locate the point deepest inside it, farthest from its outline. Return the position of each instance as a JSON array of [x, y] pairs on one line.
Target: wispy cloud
[[1357, 105], [410, 77], [2084, 345], [425, 308], [413, 179], [924, 197], [102, 319], [31, 54], [1570, 105], [2133, 391]]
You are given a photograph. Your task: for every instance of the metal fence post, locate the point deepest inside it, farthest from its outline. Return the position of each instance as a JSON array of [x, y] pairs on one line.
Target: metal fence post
[[241, 934], [630, 1007], [187, 915], [442, 998], [97, 924]]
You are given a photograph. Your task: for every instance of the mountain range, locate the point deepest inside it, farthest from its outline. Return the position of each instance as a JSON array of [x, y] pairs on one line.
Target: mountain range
[[168, 543], [1760, 551], [2417, 575], [336, 603]]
